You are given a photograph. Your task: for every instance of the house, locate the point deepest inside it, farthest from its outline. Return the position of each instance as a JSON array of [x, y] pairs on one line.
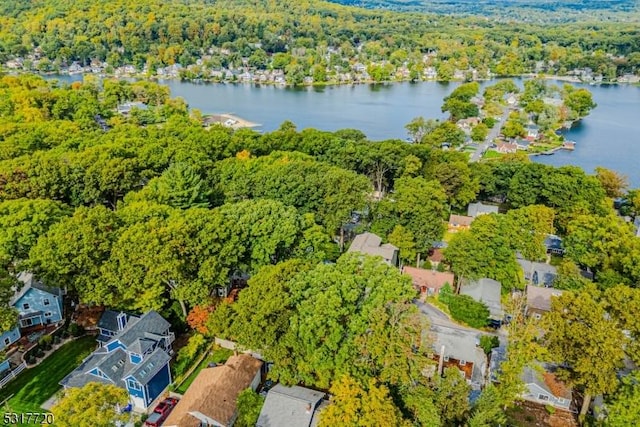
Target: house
[[126, 107], [211, 400], [110, 324], [554, 245], [506, 147], [435, 257], [459, 222], [522, 144], [457, 348], [292, 407], [545, 388], [9, 337], [487, 291], [428, 282], [370, 244], [136, 359], [539, 300], [476, 209], [468, 123], [511, 99], [538, 273], [533, 132], [37, 304]]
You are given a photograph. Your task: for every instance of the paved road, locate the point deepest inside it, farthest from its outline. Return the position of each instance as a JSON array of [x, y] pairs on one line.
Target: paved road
[[440, 319], [493, 134]]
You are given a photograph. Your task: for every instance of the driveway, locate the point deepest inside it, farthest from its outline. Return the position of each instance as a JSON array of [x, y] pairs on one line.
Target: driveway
[[493, 134]]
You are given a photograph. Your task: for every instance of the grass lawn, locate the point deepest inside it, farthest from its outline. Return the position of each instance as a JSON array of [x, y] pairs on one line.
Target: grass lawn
[[34, 386], [491, 154], [219, 355]]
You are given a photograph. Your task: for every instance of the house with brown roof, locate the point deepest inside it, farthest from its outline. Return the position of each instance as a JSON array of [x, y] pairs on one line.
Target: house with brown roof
[[436, 257], [539, 300], [211, 398], [459, 222], [428, 282]]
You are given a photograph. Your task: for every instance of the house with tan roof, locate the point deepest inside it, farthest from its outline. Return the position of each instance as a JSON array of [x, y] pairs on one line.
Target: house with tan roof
[[371, 244], [459, 222], [539, 300], [211, 399], [428, 282]]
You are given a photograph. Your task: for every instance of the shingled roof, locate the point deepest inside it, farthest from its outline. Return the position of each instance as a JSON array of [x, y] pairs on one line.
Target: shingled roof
[[214, 392]]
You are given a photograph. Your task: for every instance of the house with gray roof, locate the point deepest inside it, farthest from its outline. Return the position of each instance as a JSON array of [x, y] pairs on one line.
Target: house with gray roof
[[487, 291], [136, 358], [538, 273], [539, 300], [476, 209], [371, 244], [543, 387], [292, 407]]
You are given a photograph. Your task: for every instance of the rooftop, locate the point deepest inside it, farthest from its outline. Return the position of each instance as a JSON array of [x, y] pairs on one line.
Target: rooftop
[[370, 244], [460, 220], [214, 392], [539, 298], [480, 208], [428, 278], [290, 406], [487, 291]]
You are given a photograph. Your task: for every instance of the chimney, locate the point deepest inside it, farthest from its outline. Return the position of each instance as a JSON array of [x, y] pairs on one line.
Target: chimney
[[441, 361]]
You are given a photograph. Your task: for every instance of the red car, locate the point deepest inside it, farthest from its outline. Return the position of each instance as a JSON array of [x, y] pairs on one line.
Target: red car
[[161, 412]]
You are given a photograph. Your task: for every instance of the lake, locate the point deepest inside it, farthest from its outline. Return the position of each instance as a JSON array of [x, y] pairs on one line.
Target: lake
[[609, 136]]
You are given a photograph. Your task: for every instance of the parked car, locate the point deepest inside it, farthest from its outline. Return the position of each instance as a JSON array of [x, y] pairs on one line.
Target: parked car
[[161, 412]]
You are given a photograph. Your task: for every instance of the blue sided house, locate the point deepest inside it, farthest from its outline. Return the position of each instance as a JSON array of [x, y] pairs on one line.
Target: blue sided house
[[37, 304], [136, 357]]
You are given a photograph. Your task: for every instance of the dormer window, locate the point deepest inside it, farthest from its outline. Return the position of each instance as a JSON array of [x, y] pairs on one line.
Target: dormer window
[[26, 306], [46, 301], [122, 321]]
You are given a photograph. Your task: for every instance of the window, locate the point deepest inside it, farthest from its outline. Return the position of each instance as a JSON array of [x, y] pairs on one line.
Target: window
[[463, 362], [46, 301], [543, 397], [26, 306], [47, 314], [27, 322], [133, 385], [7, 341], [446, 358], [560, 400], [537, 316]]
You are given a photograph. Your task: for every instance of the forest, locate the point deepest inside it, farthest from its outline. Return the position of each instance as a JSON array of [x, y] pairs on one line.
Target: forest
[[158, 212], [312, 39]]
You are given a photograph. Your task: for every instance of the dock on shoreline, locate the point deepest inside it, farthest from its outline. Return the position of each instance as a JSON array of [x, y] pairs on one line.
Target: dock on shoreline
[[227, 120]]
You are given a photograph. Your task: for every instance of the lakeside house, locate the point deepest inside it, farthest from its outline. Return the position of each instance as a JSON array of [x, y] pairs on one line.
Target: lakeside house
[[506, 147], [371, 244], [553, 244], [136, 359], [292, 407], [428, 282], [211, 399]]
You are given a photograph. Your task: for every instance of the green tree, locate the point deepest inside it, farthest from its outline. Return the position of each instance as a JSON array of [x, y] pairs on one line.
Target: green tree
[[355, 405], [249, 406], [451, 397], [613, 183], [479, 132], [403, 240], [580, 333], [418, 206], [419, 127], [73, 251], [465, 309], [580, 101], [623, 406], [180, 186], [22, 222], [94, 404]]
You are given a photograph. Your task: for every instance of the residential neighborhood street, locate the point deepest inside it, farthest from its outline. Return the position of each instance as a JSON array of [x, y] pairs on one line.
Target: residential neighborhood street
[[493, 134]]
